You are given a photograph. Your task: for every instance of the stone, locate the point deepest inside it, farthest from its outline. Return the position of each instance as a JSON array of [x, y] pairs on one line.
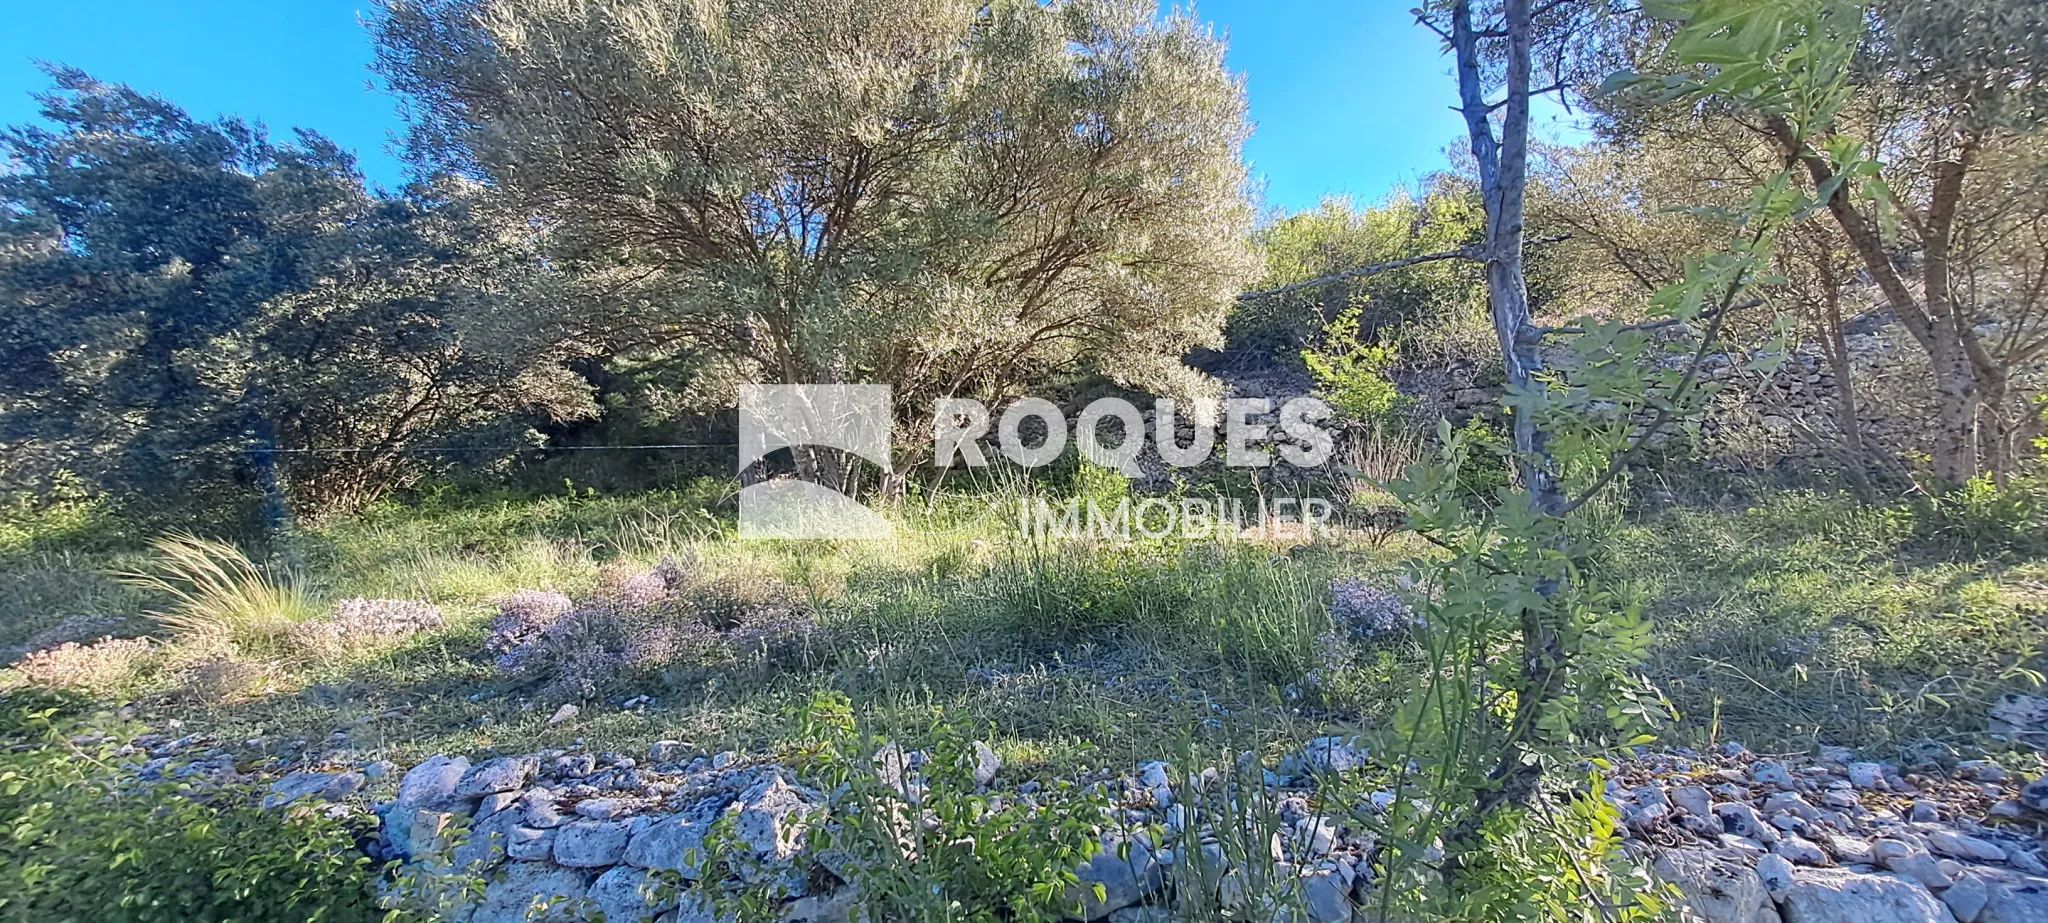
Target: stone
[[1981, 771], [1127, 871], [1770, 772], [1717, 888], [563, 715], [2010, 898], [1313, 838], [1966, 898], [986, 764], [600, 808], [504, 774], [1142, 915], [326, 786], [1693, 800], [2020, 715], [1919, 867], [1963, 846], [1850, 851], [836, 907], [2035, 795], [433, 781], [1330, 755], [667, 751], [1924, 811], [632, 895], [1866, 775], [1841, 896], [1800, 851], [530, 844], [1775, 871], [1791, 803], [485, 845], [539, 807], [429, 786], [533, 892], [674, 844], [1740, 819], [493, 803], [772, 817], [589, 844], [1326, 897]]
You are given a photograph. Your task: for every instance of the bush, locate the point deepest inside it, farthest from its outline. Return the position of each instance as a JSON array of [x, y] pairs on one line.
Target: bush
[[85, 845], [106, 665], [1352, 375], [923, 842], [361, 623], [665, 619]]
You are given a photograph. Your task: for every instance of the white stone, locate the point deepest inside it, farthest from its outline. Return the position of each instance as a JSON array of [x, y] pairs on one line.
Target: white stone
[[1963, 846], [1127, 872], [1841, 896], [630, 895], [589, 844], [504, 774], [523, 889], [1717, 888]]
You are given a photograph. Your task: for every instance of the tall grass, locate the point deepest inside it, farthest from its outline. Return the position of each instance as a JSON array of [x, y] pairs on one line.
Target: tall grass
[[217, 594]]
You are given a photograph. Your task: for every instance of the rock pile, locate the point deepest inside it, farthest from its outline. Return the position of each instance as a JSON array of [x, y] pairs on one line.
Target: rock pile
[[1746, 838]]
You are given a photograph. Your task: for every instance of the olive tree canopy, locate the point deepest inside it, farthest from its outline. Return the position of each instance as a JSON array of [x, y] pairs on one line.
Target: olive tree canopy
[[951, 197]]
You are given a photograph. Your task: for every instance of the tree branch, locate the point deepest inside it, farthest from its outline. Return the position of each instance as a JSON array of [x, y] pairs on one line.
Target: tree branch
[[1474, 252]]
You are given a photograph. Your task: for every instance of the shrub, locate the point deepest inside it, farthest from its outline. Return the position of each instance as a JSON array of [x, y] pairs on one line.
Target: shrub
[[359, 623], [1367, 612], [103, 666], [733, 621], [218, 594], [1352, 375], [522, 617], [923, 842], [75, 629], [83, 846]]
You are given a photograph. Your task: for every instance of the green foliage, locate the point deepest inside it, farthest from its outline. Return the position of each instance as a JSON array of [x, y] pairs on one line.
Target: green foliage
[[1424, 307], [1352, 375], [82, 846], [936, 194], [237, 297], [1983, 516], [924, 843]]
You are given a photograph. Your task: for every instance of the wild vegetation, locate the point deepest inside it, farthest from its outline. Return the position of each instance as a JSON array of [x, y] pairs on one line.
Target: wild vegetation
[[327, 474]]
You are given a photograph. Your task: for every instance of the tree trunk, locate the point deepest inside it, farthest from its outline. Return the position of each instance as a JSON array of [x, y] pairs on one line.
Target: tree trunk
[[1513, 781]]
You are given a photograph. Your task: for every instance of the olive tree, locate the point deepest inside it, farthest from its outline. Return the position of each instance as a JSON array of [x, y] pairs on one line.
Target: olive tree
[[951, 197]]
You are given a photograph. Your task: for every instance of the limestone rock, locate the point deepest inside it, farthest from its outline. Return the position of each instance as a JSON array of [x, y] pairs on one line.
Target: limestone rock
[[504, 774], [1840, 896], [671, 844], [589, 844], [1127, 871], [2010, 898], [1719, 889], [772, 816], [533, 892], [326, 786], [630, 895], [1963, 846], [986, 764]]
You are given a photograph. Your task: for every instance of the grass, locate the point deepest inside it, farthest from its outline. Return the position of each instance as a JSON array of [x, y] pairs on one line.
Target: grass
[[1791, 621]]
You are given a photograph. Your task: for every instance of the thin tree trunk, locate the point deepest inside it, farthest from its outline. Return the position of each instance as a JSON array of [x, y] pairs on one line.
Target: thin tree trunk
[[1503, 176]]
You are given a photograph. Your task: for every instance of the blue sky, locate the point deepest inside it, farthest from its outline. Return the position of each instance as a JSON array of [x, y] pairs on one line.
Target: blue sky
[[1349, 96]]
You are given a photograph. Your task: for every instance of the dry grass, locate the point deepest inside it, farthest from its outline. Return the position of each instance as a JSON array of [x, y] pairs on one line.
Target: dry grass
[[218, 595]]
